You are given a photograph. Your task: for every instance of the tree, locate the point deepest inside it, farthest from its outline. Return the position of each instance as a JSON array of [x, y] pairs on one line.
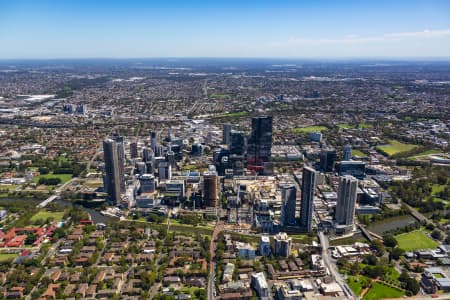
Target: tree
[[378, 246], [412, 285], [396, 253], [389, 241], [436, 234]]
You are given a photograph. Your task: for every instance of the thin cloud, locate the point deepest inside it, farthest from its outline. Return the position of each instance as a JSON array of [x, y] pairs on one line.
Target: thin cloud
[[356, 39]]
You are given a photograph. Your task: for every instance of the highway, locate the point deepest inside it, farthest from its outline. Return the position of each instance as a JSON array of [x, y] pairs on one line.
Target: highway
[[332, 267]]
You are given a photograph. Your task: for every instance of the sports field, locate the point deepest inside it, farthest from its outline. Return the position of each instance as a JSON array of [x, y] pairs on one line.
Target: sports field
[[414, 240], [309, 129], [381, 291], [44, 215], [395, 147]]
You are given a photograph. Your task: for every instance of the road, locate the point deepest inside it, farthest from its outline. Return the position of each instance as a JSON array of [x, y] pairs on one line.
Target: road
[[57, 193], [212, 265], [332, 267]]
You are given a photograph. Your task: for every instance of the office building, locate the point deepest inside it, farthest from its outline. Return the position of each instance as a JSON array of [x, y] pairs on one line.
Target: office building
[[316, 137], [259, 283], [282, 244], [307, 201], [147, 154], [264, 245], [210, 188], [164, 171], [140, 168], [197, 149], [353, 168], [347, 152], [327, 159], [226, 134], [345, 208], [147, 182], [259, 148], [112, 179], [288, 202], [153, 141], [134, 149], [237, 143]]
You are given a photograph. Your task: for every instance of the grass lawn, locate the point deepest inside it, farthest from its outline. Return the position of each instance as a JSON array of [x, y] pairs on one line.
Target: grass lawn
[[393, 274], [218, 96], [358, 153], [346, 126], [356, 283], [438, 275], [415, 240], [232, 115], [395, 147], [7, 256], [364, 125], [424, 154], [44, 215], [64, 177], [437, 188], [309, 129], [381, 291]]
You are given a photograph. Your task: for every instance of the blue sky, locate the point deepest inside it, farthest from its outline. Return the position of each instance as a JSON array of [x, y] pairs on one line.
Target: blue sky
[[277, 28]]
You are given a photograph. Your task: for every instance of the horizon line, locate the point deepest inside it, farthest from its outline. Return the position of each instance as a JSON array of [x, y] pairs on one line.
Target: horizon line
[[356, 58]]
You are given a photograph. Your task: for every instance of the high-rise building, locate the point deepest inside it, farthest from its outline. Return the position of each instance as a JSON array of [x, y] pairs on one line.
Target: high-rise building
[[327, 159], [264, 245], [153, 141], [260, 141], [121, 159], [288, 202], [164, 170], [147, 183], [210, 188], [345, 208], [147, 154], [347, 152], [226, 134], [306, 206], [134, 149], [282, 244], [112, 178], [237, 143]]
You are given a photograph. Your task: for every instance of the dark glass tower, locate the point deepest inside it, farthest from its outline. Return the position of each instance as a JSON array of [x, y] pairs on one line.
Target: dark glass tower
[[112, 179], [260, 141], [306, 207]]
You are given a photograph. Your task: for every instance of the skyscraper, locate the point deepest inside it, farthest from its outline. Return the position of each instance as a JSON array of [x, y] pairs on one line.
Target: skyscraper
[[260, 141], [345, 208], [347, 152], [121, 159], [288, 202], [210, 188], [226, 134], [153, 141], [134, 149], [147, 183], [327, 159], [237, 143], [306, 206], [112, 178]]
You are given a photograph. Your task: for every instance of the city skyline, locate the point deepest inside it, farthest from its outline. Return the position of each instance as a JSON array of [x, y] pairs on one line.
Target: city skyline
[[263, 29]]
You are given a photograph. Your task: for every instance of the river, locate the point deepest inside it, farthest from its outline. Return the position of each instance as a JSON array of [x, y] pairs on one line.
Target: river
[[382, 226]]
